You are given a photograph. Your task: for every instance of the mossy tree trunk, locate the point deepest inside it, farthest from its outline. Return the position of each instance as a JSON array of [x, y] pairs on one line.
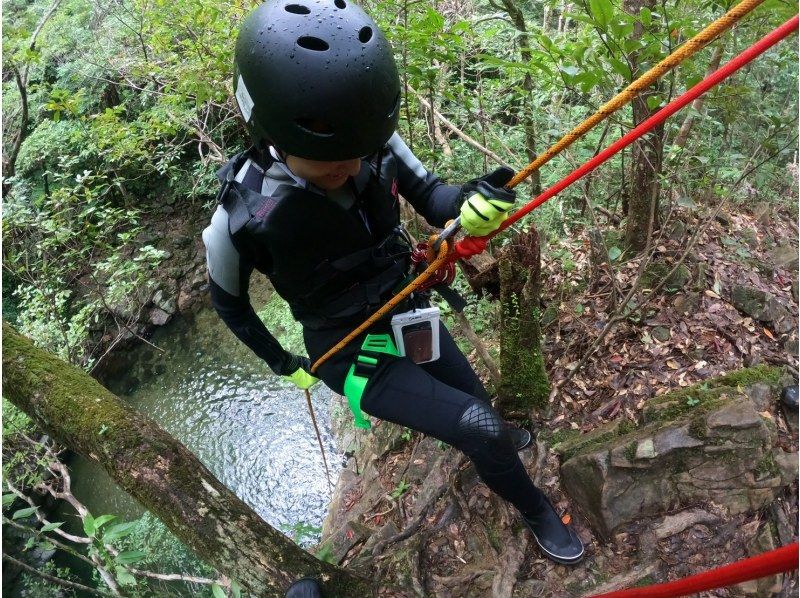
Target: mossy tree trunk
[[524, 386], [161, 474]]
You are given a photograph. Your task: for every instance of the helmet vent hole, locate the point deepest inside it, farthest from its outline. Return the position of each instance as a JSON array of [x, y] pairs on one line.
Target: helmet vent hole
[[313, 43], [340, 3], [365, 34], [298, 9], [315, 127]]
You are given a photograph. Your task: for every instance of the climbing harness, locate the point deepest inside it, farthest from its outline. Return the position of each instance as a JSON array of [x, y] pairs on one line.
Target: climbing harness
[[781, 560], [374, 348]]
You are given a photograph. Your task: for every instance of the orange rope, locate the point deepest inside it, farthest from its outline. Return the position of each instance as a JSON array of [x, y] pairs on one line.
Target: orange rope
[[691, 47]]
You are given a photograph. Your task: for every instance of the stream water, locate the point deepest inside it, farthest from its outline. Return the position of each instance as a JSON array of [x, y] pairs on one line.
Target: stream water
[[249, 427]]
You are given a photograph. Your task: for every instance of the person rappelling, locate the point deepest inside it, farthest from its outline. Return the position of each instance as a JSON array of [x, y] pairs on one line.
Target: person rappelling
[[314, 205]]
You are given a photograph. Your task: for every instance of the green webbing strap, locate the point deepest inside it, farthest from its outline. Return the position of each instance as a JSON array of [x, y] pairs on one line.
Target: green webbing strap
[[365, 364]]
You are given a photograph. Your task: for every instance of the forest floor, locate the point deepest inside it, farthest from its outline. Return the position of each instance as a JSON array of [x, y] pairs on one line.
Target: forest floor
[[417, 517]]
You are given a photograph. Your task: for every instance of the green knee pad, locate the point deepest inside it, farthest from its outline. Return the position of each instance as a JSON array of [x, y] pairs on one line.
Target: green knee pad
[[364, 366]]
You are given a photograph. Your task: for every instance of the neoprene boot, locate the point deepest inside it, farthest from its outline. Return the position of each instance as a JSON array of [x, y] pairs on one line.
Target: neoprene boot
[[307, 587], [520, 437], [559, 542]]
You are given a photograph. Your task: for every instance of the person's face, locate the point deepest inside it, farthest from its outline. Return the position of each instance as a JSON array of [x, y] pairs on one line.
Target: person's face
[[325, 175]]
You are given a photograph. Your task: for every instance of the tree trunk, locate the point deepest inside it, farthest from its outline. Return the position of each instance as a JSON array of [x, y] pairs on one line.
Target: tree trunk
[[525, 386], [646, 156], [161, 474]]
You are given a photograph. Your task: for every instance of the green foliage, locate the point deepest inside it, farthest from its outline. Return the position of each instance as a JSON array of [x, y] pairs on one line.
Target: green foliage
[[278, 319], [153, 547], [402, 488], [302, 533]]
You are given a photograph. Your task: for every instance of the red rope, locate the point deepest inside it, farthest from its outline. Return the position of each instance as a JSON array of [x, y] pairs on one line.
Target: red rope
[[470, 246], [775, 561]]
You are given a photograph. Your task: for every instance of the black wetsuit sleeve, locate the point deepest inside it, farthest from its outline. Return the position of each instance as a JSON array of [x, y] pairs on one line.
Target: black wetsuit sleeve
[[430, 197], [239, 315], [229, 280]]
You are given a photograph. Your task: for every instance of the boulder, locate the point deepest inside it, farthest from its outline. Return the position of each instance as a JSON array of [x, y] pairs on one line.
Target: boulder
[[762, 306], [159, 317], [164, 302], [659, 271], [785, 256], [704, 443]]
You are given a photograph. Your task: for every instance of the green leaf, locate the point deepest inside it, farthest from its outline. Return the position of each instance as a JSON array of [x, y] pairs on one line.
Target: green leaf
[[570, 71], [217, 591], [614, 253], [120, 530], [602, 11], [130, 556], [646, 16], [88, 525], [579, 309], [51, 526], [22, 513], [124, 577], [620, 67], [236, 590], [654, 102], [102, 520], [686, 202], [8, 498]]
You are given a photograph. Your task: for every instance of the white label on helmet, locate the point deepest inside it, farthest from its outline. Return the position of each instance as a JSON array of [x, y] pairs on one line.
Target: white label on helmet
[[244, 100]]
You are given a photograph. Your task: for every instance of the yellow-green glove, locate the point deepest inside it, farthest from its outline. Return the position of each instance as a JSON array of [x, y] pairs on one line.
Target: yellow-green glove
[[487, 202], [300, 377]]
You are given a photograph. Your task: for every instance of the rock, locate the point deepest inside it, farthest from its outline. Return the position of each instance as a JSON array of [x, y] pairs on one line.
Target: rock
[[723, 218], [704, 443], [338, 544], [199, 280], [675, 524], [762, 395], [660, 333], [645, 449], [146, 238], [763, 307], [791, 346], [766, 586], [687, 303], [750, 237], [185, 300], [165, 303], [785, 256], [789, 396], [762, 213], [159, 317], [676, 230], [656, 272], [182, 241]]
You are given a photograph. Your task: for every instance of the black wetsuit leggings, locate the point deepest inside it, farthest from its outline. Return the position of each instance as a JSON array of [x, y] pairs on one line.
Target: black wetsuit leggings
[[444, 399]]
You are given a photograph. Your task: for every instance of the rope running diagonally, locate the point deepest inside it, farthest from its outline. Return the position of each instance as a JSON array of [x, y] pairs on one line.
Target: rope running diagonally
[[691, 47]]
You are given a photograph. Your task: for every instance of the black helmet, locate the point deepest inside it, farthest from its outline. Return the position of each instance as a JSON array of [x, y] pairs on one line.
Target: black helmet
[[317, 79]]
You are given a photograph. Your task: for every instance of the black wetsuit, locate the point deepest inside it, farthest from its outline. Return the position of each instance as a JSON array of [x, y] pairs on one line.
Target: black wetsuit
[[443, 398]]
